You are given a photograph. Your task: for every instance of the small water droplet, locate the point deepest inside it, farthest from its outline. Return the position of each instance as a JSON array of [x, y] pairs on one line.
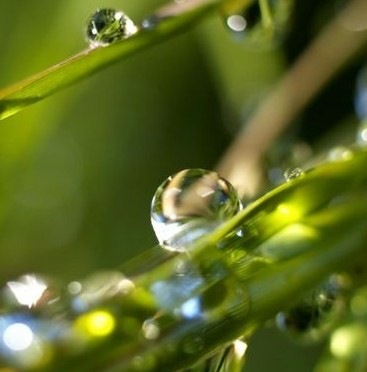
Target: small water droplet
[[246, 20], [151, 329], [189, 204], [151, 22], [236, 23], [315, 315], [106, 26], [293, 173], [99, 287], [340, 153]]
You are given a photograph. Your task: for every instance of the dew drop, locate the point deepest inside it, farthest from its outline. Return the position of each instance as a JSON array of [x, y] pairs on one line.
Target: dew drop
[[340, 153], [236, 23], [150, 23], [106, 26], [150, 329], [316, 314], [98, 287], [293, 173], [189, 204], [246, 20]]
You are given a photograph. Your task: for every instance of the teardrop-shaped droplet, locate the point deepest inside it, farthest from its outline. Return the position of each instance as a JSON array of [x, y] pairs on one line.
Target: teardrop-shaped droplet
[[106, 26], [293, 173], [315, 315], [189, 204]]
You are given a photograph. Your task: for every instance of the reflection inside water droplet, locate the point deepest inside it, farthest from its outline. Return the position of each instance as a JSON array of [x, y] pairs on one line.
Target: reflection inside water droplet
[[106, 26], [189, 204]]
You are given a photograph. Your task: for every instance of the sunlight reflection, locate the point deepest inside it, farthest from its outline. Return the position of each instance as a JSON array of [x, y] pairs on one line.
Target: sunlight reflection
[[28, 290]]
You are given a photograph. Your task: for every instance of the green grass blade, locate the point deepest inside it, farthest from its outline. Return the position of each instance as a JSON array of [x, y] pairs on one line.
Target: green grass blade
[[39, 86]]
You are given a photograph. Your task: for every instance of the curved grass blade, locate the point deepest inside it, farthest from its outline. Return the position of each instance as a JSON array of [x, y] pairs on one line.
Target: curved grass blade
[[167, 22]]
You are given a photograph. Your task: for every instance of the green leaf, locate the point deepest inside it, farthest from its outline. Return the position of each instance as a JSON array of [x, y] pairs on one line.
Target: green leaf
[[41, 85]]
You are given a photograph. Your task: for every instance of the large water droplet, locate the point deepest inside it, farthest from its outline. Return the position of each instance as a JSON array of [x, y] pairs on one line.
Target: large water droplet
[[189, 204], [315, 315], [106, 26]]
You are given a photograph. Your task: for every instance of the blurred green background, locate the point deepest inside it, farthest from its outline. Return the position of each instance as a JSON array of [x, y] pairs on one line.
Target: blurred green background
[[78, 170]]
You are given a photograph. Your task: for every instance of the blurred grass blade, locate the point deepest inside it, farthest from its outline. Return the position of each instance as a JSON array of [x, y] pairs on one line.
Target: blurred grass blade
[[84, 64]]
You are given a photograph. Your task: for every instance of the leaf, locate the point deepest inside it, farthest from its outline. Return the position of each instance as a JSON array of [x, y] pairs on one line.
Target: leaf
[[167, 23]]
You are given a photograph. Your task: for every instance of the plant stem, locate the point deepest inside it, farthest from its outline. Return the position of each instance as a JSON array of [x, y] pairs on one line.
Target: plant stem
[[327, 54]]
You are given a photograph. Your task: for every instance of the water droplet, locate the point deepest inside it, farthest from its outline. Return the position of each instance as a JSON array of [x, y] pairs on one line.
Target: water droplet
[[246, 20], [150, 329], [316, 314], [236, 23], [340, 153], [99, 287], [293, 173], [189, 204], [106, 26], [151, 22]]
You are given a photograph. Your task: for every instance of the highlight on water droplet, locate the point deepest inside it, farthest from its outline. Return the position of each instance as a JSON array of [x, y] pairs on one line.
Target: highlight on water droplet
[[107, 26], [293, 173], [189, 204]]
